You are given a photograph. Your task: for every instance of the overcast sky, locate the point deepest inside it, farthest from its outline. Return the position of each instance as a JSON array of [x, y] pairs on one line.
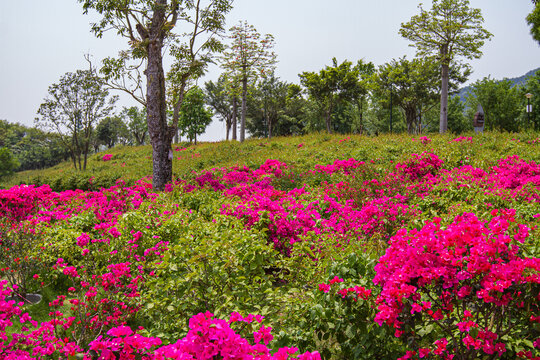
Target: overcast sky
[[43, 39]]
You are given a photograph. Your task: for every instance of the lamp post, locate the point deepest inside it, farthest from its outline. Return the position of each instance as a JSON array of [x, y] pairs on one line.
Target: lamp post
[[529, 109]]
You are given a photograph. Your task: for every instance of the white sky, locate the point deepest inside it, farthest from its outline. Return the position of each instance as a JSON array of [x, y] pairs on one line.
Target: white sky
[[43, 39]]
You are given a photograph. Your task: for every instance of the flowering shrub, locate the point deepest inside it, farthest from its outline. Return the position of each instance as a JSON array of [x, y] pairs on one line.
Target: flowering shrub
[[128, 268], [420, 166], [452, 291], [107, 157], [207, 339]]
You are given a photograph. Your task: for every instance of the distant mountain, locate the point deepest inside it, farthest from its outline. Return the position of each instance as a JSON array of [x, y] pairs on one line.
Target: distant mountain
[[516, 81]]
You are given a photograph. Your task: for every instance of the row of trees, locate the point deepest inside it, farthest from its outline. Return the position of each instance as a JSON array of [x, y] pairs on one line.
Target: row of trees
[[79, 111], [401, 95], [448, 33]]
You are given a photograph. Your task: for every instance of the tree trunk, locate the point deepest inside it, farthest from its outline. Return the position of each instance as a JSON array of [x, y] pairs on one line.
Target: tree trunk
[[228, 126], [74, 159], [161, 134], [329, 121], [444, 99], [269, 122], [410, 115], [244, 110], [234, 117]]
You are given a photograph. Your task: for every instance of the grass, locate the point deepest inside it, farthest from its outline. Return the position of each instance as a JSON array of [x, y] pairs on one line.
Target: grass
[[133, 163]]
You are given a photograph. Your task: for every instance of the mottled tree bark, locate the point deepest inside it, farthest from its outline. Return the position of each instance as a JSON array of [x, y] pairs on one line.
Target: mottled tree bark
[[444, 100], [161, 134], [244, 110], [234, 117]]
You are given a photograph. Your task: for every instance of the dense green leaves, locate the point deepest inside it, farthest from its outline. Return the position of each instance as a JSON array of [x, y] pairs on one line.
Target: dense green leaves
[[333, 86], [194, 117], [500, 101], [8, 163], [533, 19], [72, 110], [451, 29]]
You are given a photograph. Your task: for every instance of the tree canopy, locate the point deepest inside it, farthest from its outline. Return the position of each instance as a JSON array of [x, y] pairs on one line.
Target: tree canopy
[[149, 26], [450, 30], [73, 109]]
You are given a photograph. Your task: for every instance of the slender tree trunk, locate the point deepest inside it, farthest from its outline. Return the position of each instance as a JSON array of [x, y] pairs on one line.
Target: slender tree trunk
[[228, 127], [161, 134], [244, 110], [86, 147], [329, 121], [234, 117], [269, 122], [444, 98], [74, 160]]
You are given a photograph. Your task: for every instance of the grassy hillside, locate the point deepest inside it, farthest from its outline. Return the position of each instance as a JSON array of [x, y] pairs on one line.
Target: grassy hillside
[[343, 247], [134, 163]]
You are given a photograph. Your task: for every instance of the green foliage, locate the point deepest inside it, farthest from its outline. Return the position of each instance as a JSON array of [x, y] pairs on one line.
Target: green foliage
[[32, 147], [8, 163], [413, 86], [532, 86], [212, 265], [451, 29], [275, 108], [74, 107], [112, 130], [194, 117], [500, 101], [533, 19], [333, 86], [457, 121]]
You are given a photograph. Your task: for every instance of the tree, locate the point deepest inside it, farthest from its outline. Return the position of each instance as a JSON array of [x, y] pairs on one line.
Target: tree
[[501, 103], [457, 121], [136, 123], [533, 19], [8, 163], [148, 25], [216, 95], [248, 58], [414, 86], [451, 29], [331, 87], [32, 147], [266, 105], [74, 107], [194, 118], [112, 130]]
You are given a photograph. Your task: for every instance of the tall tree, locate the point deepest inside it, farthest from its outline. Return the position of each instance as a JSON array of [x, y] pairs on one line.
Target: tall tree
[[111, 131], [332, 86], [414, 86], [137, 125], [149, 26], [451, 29], [194, 117], [533, 19], [216, 95], [74, 107], [249, 57], [266, 106]]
